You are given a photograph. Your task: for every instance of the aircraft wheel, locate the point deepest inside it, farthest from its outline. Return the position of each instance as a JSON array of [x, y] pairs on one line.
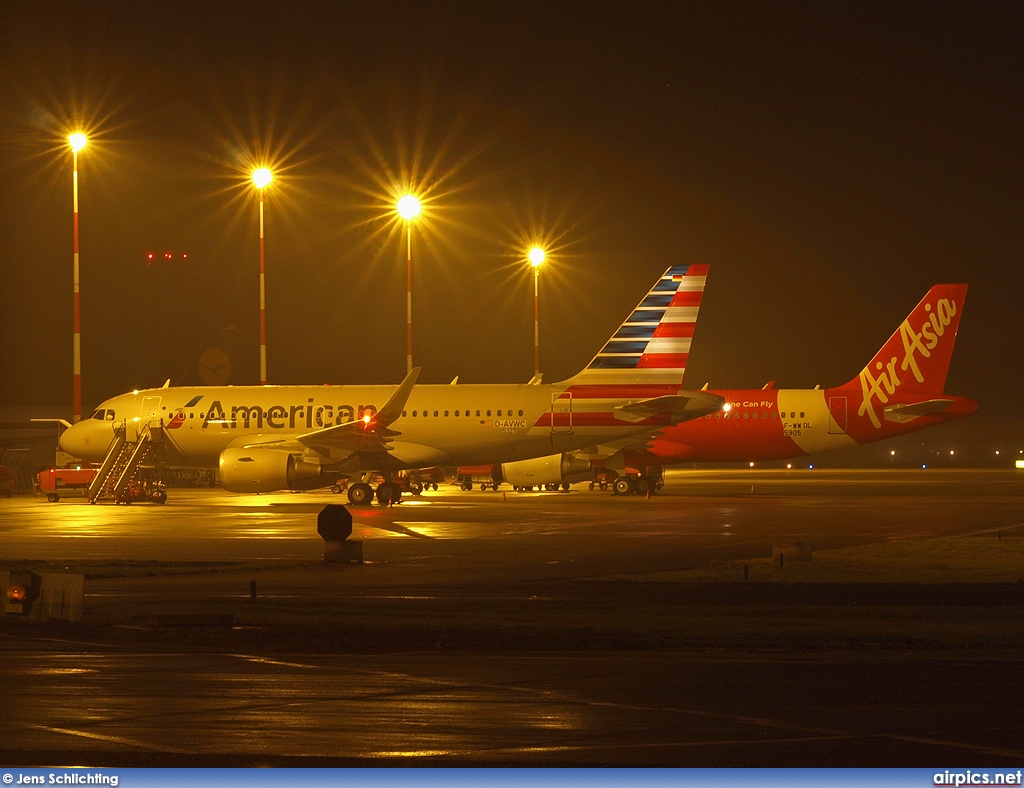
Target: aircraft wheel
[[602, 485], [565, 486], [416, 488], [624, 485], [642, 485], [52, 497], [434, 486], [388, 492], [360, 494]]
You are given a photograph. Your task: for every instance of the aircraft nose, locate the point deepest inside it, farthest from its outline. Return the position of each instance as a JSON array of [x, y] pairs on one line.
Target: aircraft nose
[[88, 440]]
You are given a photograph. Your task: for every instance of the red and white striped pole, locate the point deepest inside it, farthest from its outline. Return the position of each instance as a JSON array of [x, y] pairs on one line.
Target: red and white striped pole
[[77, 143], [408, 208], [408, 296], [263, 303], [536, 321], [262, 178], [536, 256]]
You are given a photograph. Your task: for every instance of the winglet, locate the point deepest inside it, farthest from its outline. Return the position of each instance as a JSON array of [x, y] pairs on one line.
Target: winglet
[[392, 409]]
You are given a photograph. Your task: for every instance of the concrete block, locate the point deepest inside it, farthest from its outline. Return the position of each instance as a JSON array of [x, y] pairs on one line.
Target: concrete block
[[345, 552], [51, 595]]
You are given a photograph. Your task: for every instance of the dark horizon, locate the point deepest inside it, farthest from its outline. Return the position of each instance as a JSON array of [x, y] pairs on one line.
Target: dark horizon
[[829, 163]]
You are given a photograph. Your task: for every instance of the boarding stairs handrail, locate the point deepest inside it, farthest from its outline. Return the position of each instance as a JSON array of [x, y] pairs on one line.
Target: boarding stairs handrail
[[124, 458]]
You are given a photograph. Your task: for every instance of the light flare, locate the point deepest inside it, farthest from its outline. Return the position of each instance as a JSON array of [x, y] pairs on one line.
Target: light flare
[[408, 207], [261, 177]]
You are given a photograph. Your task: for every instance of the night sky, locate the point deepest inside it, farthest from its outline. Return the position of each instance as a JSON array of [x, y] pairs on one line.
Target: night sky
[[830, 161]]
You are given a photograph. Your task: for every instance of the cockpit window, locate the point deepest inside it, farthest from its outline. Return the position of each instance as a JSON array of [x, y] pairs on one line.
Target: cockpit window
[[110, 415], [100, 414]]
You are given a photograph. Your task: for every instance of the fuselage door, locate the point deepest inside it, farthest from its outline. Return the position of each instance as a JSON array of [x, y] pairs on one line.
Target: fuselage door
[[561, 414], [149, 415], [836, 415]]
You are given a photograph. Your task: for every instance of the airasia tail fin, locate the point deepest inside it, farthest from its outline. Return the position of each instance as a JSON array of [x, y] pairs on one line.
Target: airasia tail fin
[[911, 367]]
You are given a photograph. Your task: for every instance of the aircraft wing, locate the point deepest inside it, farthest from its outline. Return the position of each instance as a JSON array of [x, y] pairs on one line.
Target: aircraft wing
[[901, 413], [366, 435], [681, 407]]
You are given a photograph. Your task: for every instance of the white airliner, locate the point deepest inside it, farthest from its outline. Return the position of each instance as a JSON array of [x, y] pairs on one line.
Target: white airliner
[[267, 438]]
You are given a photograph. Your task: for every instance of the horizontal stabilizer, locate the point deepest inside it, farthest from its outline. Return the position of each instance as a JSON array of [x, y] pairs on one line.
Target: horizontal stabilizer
[[681, 407], [902, 413]]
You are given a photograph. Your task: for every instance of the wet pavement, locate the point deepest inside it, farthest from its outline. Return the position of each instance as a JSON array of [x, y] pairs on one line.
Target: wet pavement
[[202, 699]]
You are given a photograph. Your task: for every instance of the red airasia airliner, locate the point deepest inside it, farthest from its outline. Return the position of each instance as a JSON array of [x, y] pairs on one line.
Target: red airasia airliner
[[899, 391]]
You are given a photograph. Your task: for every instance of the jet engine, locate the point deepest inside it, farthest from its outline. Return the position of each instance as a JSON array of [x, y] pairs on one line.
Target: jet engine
[[259, 470], [554, 469]]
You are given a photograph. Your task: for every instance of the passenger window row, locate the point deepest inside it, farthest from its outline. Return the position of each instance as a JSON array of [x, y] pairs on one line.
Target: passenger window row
[[753, 415], [417, 413]]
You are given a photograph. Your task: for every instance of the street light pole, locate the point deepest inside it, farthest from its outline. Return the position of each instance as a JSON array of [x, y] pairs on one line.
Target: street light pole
[[536, 257], [262, 178], [408, 296], [77, 142], [408, 208]]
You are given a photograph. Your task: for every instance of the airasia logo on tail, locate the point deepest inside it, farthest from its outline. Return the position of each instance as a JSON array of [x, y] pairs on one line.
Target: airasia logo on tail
[[920, 343]]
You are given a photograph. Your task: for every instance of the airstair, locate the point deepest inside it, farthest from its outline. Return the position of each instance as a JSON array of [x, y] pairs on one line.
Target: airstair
[[120, 476]]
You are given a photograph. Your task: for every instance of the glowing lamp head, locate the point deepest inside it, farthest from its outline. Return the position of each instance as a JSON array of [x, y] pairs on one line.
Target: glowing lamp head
[[262, 177], [727, 407], [16, 593], [536, 256], [366, 418], [408, 207], [77, 141]]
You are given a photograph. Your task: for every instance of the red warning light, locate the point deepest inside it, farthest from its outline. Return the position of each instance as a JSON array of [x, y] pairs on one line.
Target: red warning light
[[16, 592]]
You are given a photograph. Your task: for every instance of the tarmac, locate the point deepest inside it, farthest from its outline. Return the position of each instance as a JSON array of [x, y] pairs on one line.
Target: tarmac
[[543, 628]]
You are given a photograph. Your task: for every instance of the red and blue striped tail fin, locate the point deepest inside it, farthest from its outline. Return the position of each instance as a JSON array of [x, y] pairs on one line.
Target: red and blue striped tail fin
[[653, 345]]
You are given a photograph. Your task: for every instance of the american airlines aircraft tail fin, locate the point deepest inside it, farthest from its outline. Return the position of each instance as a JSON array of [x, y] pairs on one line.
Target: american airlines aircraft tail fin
[[916, 358], [653, 345]]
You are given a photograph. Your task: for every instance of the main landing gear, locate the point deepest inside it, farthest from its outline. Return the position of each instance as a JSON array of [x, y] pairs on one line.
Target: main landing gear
[[641, 484], [362, 494], [387, 492]]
